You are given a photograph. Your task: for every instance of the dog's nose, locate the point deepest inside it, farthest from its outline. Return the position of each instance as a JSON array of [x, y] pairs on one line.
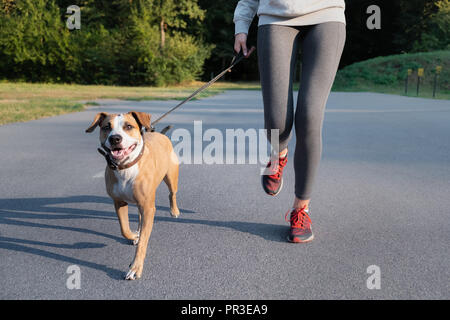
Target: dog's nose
[[115, 139]]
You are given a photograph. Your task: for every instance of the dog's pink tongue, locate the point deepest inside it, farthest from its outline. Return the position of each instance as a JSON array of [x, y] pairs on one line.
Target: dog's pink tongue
[[117, 153]]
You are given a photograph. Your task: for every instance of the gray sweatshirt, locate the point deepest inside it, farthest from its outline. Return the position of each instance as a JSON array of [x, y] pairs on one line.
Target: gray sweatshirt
[[287, 12]]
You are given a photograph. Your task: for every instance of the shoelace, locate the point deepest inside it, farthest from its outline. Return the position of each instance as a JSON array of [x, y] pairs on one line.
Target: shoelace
[[281, 163], [299, 218]]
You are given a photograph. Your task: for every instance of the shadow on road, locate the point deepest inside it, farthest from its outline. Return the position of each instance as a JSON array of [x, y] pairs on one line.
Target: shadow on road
[[26, 212], [270, 232], [10, 244], [44, 208], [22, 211]]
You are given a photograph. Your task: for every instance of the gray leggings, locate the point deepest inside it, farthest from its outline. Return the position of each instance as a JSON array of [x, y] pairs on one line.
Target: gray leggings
[[322, 46]]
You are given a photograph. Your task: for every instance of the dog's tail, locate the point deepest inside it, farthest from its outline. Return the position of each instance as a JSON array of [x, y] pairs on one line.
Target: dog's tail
[[163, 131]]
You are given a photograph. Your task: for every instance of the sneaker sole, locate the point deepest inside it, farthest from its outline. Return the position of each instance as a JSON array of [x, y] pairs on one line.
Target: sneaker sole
[[299, 240], [273, 194]]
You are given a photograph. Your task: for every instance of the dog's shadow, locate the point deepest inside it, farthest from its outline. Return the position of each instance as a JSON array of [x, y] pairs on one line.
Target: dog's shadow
[[29, 213]]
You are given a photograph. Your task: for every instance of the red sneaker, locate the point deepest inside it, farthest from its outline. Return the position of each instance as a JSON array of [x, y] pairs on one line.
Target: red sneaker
[[273, 183], [300, 230]]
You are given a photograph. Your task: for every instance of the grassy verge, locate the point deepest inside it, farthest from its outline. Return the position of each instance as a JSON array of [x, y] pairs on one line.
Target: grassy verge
[[388, 75], [25, 101], [24, 110]]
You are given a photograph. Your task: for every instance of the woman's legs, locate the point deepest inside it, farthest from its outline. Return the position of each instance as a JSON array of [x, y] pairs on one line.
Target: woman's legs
[[322, 46]]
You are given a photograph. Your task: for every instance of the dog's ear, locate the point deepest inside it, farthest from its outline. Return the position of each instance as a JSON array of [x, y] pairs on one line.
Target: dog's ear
[[142, 118], [97, 121]]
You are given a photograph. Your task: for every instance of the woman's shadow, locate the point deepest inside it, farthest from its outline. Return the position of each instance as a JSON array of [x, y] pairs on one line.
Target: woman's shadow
[[24, 212]]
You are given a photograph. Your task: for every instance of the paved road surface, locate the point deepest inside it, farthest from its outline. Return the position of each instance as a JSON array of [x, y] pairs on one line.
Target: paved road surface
[[381, 198]]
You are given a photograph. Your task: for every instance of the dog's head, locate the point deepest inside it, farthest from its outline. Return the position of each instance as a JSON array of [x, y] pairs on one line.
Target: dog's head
[[121, 134]]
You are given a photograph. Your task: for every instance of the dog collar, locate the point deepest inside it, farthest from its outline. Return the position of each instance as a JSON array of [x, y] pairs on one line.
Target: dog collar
[[113, 165]]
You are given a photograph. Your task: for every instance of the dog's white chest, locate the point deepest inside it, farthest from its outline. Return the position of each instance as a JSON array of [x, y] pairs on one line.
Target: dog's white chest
[[123, 188]]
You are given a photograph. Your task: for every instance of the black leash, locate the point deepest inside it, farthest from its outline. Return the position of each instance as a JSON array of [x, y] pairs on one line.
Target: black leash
[[236, 59]]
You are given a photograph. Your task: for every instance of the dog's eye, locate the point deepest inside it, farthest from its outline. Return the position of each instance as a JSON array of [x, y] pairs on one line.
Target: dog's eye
[[107, 127], [128, 127]]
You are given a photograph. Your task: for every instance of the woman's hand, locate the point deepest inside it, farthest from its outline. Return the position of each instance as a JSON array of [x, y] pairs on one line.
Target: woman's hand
[[240, 42]]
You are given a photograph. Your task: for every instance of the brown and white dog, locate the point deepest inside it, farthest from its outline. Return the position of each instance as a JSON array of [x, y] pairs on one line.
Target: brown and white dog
[[137, 163]]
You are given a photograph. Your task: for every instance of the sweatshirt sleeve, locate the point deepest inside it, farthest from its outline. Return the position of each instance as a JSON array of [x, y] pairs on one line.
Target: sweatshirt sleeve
[[243, 15]]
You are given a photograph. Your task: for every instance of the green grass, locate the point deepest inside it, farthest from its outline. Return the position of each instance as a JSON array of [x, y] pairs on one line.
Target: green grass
[[18, 111], [28, 101], [388, 74]]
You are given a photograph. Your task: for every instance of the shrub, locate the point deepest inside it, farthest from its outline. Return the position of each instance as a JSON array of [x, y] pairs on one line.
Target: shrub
[[34, 43]]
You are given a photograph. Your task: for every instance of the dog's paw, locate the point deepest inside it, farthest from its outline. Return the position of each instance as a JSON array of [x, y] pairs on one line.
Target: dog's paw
[[135, 272], [175, 213]]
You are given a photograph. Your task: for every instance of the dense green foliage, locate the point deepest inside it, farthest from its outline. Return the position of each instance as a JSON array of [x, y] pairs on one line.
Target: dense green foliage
[[134, 42], [33, 45], [162, 42], [437, 34]]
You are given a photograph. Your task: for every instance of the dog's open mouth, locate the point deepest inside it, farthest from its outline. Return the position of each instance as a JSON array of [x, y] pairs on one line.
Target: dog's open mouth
[[119, 153]]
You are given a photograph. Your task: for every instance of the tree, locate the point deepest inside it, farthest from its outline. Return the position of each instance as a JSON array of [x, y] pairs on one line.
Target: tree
[[436, 36], [172, 14], [34, 43], [164, 53]]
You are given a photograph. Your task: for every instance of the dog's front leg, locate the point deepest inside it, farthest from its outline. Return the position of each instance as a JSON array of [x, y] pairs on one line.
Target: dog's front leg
[[122, 213], [147, 213]]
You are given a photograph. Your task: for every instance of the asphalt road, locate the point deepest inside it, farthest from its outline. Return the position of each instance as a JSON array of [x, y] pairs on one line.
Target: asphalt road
[[381, 198]]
